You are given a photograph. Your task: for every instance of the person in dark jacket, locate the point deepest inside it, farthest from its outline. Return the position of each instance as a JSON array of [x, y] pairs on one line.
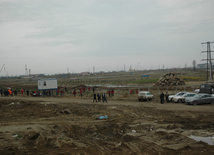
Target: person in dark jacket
[[162, 98], [167, 97], [2, 92], [27, 92], [95, 97], [104, 97], [99, 97], [74, 92]]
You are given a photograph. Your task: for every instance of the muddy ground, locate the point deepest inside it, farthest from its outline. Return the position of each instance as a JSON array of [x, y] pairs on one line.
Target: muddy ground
[[64, 125]]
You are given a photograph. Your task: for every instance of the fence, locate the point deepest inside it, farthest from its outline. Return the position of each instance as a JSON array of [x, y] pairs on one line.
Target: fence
[[119, 91], [132, 90]]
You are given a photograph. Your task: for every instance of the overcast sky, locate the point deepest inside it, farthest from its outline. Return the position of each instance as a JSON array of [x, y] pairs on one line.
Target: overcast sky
[[52, 36]]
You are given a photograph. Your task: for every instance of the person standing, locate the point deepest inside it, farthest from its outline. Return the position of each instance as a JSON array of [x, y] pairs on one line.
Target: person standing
[[95, 97], [2, 92], [15, 92], [162, 98], [99, 97], [27, 92], [5, 93], [81, 92], [22, 91], [104, 98], [74, 92], [137, 91], [109, 92], [112, 92], [167, 97], [9, 92]]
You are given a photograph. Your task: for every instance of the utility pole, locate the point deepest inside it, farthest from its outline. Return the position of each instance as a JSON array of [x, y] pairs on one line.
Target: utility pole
[[209, 61], [93, 69], [26, 73]]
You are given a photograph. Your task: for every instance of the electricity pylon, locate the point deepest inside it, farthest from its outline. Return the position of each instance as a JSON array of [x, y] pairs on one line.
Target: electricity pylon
[[209, 61]]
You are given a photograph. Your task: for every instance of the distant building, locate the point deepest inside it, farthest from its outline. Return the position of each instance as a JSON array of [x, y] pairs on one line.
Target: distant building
[[84, 73], [204, 66]]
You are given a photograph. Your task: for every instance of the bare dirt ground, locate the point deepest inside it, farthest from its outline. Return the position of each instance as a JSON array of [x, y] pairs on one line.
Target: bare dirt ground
[[64, 125]]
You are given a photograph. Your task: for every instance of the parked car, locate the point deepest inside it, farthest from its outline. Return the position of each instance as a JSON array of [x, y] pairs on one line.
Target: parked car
[[201, 99], [207, 88], [178, 94], [182, 98], [196, 91], [145, 95]]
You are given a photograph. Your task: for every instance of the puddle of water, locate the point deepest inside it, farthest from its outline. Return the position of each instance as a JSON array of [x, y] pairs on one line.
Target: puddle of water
[[208, 140]]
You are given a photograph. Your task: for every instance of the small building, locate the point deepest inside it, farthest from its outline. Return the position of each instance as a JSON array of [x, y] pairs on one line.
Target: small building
[[204, 66], [84, 73], [47, 85]]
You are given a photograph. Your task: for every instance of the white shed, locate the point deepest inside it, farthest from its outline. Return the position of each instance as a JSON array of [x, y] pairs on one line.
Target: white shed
[[47, 84]]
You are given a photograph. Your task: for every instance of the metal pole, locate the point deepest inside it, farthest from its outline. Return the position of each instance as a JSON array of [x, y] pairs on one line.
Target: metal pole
[[210, 62], [207, 62]]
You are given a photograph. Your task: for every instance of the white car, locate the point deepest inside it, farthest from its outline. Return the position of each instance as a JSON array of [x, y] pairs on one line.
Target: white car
[[182, 98], [145, 95], [197, 91], [178, 94]]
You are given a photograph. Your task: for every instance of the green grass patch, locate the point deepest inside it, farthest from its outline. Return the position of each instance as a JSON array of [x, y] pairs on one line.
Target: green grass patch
[[189, 78], [143, 81]]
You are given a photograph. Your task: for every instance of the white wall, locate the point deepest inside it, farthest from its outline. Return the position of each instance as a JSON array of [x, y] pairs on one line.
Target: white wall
[[44, 84]]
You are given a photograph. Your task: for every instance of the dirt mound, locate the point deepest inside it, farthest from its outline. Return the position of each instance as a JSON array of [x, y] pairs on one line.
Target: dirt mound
[[170, 79], [62, 126]]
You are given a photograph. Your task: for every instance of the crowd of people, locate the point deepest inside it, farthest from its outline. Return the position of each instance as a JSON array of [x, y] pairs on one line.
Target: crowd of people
[[98, 97], [8, 92]]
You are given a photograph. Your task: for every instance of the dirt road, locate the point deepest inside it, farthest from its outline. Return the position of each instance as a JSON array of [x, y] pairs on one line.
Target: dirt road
[[51, 125]]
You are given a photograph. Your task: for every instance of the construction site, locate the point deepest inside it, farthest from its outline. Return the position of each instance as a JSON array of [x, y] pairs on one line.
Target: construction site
[[96, 77], [64, 124], [45, 116]]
